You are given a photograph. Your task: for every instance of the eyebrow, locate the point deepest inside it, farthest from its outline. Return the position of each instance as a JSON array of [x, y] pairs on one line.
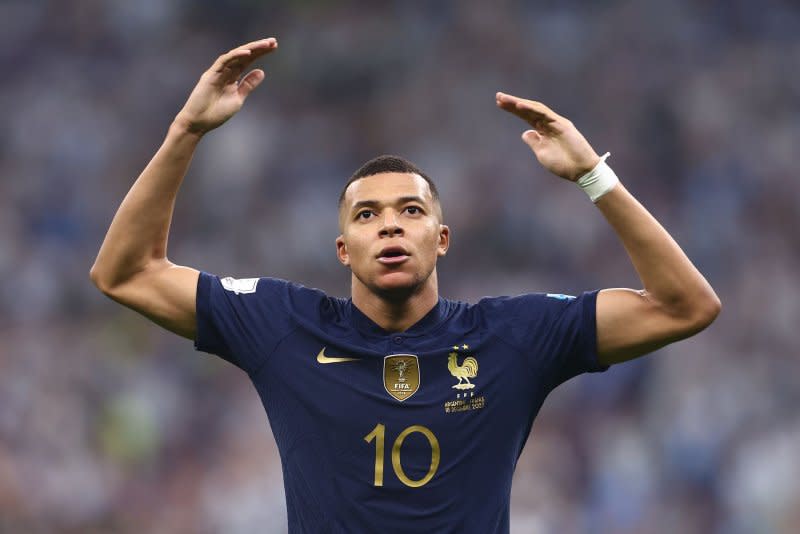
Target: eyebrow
[[372, 203]]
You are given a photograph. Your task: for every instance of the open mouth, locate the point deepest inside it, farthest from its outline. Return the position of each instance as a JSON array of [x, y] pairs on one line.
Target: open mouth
[[393, 255]]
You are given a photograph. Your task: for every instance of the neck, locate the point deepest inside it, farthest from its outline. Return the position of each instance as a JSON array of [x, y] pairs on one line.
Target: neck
[[396, 314]]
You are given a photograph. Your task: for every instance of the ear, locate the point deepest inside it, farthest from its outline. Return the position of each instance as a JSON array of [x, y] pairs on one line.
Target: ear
[[341, 251], [444, 240]]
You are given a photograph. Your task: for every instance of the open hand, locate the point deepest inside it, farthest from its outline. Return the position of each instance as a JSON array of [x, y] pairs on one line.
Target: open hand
[[555, 141], [220, 93]]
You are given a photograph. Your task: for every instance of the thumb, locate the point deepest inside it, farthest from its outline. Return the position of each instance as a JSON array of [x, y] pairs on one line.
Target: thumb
[[250, 82], [532, 138]]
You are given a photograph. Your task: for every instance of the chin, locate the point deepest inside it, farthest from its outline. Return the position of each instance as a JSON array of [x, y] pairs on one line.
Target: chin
[[396, 286]]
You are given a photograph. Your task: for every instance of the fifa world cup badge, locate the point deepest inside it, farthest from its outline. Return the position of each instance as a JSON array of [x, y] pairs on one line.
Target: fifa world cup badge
[[401, 375]]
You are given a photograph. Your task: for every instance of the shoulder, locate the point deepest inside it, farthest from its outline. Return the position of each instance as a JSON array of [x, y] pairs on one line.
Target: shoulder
[[263, 284], [526, 304], [265, 290], [533, 314], [498, 314]]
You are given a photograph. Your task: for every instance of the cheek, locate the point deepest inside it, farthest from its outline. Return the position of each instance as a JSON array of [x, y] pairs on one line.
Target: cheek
[[355, 248], [431, 245], [433, 236]]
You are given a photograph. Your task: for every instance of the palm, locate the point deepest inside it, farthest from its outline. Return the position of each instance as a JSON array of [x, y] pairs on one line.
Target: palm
[[555, 141], [210, 105], [220, 93]]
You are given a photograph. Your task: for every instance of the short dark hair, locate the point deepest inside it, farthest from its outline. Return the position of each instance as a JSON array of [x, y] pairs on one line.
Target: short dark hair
[[388, 163]]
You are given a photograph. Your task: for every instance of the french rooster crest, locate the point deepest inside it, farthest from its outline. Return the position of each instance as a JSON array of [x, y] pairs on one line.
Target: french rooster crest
[[468, 369]]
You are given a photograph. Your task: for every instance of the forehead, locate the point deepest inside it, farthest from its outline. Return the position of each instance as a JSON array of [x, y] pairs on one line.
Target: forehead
[[386, 186]]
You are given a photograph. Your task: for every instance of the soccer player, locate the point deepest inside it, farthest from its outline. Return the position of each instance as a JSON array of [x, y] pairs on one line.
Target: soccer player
[[397, 410]]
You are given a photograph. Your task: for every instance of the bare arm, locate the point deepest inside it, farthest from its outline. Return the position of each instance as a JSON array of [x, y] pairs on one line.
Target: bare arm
[[132, 265], [676, 301]]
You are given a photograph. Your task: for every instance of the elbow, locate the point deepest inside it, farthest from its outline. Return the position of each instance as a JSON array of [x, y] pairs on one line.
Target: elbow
[[112, 281], [716, 307], [104, 280], [704, 312], [99, 281], [691, 316]]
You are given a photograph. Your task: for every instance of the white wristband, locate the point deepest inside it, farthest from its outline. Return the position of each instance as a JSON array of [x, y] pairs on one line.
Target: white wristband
[[599, 180]]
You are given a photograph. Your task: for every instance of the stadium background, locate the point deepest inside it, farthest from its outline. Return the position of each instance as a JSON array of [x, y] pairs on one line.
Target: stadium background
[[108, 424]]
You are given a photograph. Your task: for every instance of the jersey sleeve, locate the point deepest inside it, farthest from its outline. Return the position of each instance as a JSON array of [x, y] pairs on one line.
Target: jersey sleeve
[[557, 333], [569, 335], [243, 320]]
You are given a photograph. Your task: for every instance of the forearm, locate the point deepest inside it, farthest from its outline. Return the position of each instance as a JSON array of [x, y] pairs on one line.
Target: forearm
[[676, 302], [668, 276], [138, 233]]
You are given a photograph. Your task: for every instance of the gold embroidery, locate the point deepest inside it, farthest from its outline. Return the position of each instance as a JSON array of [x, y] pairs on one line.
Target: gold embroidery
[[468, 369], [401, 375]]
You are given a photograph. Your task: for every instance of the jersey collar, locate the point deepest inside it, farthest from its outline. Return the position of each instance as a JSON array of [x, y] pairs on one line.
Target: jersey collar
[[431, 319]]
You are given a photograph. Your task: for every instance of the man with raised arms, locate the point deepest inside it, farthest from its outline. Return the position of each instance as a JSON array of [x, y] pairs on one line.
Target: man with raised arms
[[397, 410]]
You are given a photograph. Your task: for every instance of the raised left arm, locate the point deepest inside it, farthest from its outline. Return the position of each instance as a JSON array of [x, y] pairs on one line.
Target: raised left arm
[[677, 301]]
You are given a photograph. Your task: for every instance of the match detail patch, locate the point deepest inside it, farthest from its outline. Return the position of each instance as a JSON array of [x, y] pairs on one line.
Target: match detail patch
[[240, 286], [560, 296]]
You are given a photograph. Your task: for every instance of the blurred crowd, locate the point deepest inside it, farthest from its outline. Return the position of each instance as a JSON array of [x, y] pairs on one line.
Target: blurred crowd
[[108, 424]]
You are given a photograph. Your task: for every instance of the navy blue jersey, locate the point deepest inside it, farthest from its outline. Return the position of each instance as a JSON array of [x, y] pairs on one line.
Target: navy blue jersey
[[417, 431]]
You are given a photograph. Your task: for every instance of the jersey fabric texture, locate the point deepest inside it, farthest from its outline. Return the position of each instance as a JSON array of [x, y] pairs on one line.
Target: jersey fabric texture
[[417, 431]]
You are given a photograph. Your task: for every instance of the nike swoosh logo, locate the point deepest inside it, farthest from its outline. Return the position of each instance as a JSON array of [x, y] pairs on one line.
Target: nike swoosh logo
[[321, 358]]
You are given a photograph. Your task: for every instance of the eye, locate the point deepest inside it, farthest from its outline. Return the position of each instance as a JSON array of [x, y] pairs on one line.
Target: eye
[[364, 215], [413, 210]]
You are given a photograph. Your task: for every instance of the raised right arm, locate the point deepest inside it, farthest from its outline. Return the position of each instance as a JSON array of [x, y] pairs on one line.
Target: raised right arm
[[132, 266]]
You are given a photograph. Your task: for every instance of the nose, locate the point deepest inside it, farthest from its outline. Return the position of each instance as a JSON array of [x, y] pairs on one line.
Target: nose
[[391, 225]]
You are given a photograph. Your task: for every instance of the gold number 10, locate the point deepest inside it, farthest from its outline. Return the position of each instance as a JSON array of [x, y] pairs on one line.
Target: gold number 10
[[378, 433]]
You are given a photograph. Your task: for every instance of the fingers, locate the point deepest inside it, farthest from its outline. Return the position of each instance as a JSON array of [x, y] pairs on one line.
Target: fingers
[[531, 137], [252, 80], [508, 102], [240, 57], [261, 48], [506, 99], [541, 117]]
